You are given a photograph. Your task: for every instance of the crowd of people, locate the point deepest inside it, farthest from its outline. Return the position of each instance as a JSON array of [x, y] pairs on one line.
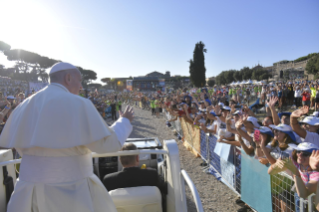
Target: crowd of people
[[285, 137], [286, 141], [12, 93]]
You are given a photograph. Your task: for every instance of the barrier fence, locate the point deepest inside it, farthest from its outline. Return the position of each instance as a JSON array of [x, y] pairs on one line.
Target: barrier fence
[[243, 174]]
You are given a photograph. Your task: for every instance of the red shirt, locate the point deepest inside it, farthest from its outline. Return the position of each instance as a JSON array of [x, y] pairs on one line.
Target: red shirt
[[305, 96]]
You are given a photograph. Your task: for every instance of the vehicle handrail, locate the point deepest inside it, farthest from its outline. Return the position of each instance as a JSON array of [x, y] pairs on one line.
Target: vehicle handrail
[[194, 191], [9, 162], [130, 152], [96, 155]]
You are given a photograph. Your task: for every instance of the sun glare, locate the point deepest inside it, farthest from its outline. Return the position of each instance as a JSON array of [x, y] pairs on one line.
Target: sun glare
[[27, 25]]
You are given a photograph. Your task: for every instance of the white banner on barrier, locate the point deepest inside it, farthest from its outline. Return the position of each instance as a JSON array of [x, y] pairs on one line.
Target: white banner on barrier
[[223, 150]]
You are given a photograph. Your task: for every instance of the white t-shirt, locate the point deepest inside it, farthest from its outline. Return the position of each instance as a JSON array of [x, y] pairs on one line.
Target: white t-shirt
[[312, 137], [297, 93], [298, 139], [212, 126], [221, 128], [276, 152]]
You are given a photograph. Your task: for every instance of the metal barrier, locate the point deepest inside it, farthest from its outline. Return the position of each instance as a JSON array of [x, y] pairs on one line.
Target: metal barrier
[[283, 198]]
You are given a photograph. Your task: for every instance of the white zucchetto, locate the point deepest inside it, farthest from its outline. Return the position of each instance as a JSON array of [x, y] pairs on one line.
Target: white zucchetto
[[61, 66]]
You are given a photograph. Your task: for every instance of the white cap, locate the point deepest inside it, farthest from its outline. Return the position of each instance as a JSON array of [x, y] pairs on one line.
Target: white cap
[[311, 120], [61, 66], [316, 114], [221, 104], [226, 108], [309, 147], [11, 97], [253, 120], [237, 112]]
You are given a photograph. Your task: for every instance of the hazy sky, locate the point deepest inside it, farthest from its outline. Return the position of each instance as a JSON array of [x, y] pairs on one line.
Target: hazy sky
[[121, 38]]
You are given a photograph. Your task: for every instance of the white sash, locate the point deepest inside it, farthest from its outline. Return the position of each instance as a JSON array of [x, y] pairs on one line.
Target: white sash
[[40, 169]]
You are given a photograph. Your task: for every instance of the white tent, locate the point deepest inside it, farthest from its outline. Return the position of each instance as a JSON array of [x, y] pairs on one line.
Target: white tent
[[249, 82]]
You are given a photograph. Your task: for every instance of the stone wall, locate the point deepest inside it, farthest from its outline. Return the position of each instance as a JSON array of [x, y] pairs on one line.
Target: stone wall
[[299, 66]]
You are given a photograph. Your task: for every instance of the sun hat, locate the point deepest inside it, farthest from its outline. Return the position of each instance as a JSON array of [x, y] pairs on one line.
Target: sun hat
[[311, 120], [306, 146], [266, 130], [253, 120], [316, 114], [285, 129]]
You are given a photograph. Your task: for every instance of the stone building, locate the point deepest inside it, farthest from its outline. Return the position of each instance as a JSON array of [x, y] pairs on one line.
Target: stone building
[[291, 70]]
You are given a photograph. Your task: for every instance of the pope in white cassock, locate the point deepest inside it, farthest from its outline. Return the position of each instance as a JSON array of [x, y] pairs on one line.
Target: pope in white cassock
[[55, 132]]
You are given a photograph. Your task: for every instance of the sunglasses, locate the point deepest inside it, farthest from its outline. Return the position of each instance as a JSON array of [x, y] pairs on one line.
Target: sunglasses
[[303, 153], [277, 131]]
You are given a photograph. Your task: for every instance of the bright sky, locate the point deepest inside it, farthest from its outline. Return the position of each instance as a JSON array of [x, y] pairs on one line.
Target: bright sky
[[121, 38]]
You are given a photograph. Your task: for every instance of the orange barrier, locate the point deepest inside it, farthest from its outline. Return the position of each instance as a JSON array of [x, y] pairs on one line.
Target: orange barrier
[[191, 136]]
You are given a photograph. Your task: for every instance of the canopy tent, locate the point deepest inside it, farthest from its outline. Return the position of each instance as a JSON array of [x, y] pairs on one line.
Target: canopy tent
[[249, 82]]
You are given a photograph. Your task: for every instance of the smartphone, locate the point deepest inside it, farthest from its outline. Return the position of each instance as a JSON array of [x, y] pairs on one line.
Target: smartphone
[[257, 135], [284, 156]]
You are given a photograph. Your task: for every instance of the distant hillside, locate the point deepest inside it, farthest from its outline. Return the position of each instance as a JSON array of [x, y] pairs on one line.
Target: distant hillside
[[297, 60]]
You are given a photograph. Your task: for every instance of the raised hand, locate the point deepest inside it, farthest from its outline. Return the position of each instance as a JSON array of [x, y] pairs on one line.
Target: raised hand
[[239, 123], [314, 160], [128, 113], [302, 111], [228, 118], [203, 127], [272, 101], [287, 164]]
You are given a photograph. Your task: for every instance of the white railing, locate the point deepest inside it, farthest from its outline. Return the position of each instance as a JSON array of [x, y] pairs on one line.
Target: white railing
[[194, 192], [130, 152]]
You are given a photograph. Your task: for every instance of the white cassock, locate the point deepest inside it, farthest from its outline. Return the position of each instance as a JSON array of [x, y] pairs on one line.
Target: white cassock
[[55, 132]]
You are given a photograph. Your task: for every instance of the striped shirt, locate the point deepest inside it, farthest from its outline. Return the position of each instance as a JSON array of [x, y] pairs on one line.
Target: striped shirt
[[307, 176]]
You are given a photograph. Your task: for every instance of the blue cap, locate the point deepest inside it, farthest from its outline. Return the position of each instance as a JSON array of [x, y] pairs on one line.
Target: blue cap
[[213, 113], [209, 102], [187, 96]]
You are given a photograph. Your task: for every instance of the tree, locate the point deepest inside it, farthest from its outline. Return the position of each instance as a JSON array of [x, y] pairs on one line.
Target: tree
[[246, 73], [29, 62], [87, 76], [211, 83], [95, 85], [4, 46], [197, 68], [312, 66], [237, 76]]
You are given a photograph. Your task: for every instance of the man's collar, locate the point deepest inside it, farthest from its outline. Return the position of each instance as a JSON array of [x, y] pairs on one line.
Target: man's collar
[[130, 168], [59, 85]]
